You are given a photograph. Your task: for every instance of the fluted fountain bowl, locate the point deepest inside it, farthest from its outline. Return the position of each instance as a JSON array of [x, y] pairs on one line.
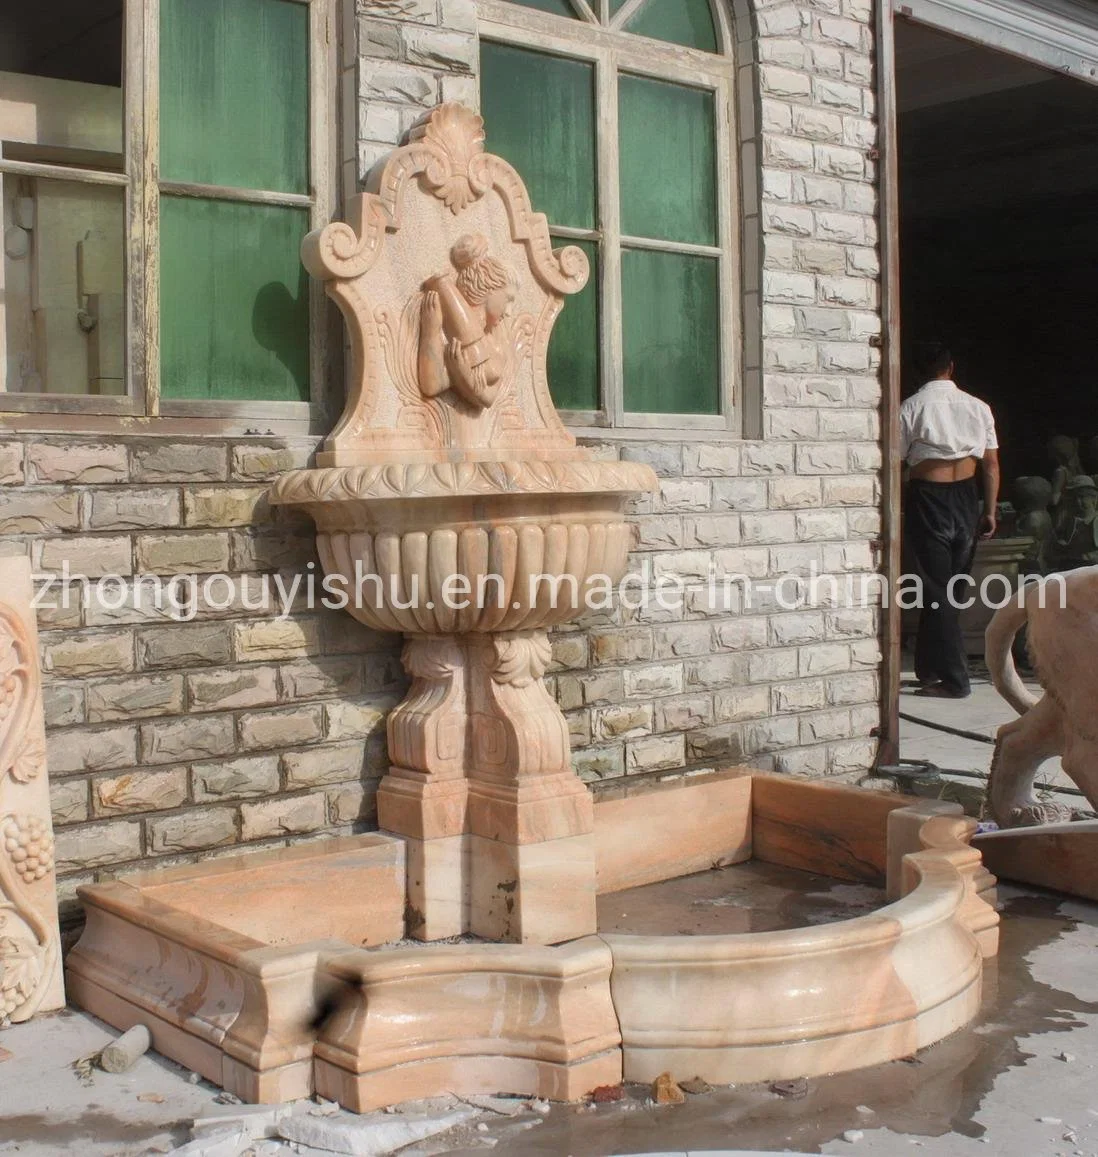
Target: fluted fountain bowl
[[459, 547]]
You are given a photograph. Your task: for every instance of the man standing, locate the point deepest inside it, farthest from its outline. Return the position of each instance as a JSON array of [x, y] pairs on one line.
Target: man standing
[[945, 434]]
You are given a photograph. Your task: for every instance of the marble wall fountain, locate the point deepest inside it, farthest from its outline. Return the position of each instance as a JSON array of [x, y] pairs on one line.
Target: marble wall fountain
[[449, 480]]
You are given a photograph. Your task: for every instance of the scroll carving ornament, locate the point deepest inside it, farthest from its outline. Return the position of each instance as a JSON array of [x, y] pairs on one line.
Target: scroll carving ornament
[[27, 944]]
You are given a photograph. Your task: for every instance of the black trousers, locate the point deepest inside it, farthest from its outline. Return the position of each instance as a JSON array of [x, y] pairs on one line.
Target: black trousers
[[940, 521]]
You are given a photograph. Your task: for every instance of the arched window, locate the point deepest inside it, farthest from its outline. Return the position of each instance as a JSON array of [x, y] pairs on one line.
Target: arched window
[[618, 114]]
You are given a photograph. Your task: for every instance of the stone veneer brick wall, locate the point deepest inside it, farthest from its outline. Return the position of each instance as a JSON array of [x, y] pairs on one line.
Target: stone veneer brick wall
[[171, 741]]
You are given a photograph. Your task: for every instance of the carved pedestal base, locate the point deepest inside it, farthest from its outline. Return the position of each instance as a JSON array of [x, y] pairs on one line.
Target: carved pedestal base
[[498, 827]]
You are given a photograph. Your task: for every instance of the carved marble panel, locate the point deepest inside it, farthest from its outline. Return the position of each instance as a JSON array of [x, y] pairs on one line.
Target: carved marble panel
[[30, 946]]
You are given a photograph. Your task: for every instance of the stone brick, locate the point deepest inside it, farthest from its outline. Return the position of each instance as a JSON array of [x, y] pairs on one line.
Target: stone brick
[[824, 659], [818, 525], [72, 461], [853, 755], [90, 557], [810, 762], [815, 124], [139, 791], [817, 256], [776, 116], [285, 728], [81, 750], [739, 494], [569, 651], [592, 764], [723, 742], [734, 704], [92, 653], [132, 698], [69, 801], [192, 831], [844, 228], [851, 689], [685, 713], [265, 550], [194, 737], [229, 689], [225, 506], [182, 553], [623, 721], [821, 459], [396, 83], [586, 690], [353, 805], [711, 530], [660, 532], [11, 463], [277, 639], [295, 815], [791, 423], [235, 778], [663, 679], [625, 645], [766, 458], [756, 528], [664, 457], [794, 492], [425, 10], [792, 287], [63, 704], [711, 459], [162, 461], [825, 725], [784, 82], [825, 324], [26, 511], [685, 494], [680, 640], [791, 355], [452, 51], [97, 845], [656, 753], [133, 509], [263, 463], [190, 645], [770, 734], [796, 627], [771, 666], [792, 220], [848, 33], [323, 765], [786, 19], [804, 695]]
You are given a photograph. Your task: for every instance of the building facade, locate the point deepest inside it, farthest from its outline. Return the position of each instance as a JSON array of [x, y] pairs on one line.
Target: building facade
[[720, 164]]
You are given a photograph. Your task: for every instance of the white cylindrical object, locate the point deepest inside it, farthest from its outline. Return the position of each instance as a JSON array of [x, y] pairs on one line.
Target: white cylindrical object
[[121, 1055]]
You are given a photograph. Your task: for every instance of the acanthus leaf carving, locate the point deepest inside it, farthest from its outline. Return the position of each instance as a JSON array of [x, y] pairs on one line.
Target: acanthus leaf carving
[[22, 753]]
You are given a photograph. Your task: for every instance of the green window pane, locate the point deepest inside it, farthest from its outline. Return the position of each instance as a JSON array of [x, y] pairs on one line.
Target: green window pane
[[668, 161], [539, 113], [574, 347], [557, 7], [688, 22], [616, 6], [670, 331], [234, 301], [234, 93]]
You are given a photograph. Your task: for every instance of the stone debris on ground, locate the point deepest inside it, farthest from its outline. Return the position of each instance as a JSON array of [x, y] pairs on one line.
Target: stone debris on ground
[[607, 1094], [696, 1086], [122, 1054], [368, 1135], [502, 1106], [853, 1136], [791, 1090], [665, 1090], [540, 1107]]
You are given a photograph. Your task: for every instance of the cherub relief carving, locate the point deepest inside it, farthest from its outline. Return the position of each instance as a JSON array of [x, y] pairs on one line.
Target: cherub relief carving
[[466, 341]]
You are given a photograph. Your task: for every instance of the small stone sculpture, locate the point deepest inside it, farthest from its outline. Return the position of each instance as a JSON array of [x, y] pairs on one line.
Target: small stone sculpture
[[1064, 452], [1063, 646], [1075, 540], [465, 339], [30, 947], [1032, 495]]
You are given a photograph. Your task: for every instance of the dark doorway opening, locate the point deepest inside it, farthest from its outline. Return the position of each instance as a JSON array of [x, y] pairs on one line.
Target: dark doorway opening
[[998, 173]]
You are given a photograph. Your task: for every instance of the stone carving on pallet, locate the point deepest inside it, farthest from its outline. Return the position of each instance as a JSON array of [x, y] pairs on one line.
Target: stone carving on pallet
[[30, 947], [453, 505], [1063, 647]]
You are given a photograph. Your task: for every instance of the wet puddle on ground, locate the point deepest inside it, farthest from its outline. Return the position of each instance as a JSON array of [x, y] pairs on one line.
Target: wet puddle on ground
[[938, 1092]]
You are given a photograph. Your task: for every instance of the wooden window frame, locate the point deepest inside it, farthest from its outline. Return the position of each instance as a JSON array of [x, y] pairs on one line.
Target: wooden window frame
[[142, 184], [612, 52]]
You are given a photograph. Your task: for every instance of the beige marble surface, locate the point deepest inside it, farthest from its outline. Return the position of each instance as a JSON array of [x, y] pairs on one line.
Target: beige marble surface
[[30, 946]]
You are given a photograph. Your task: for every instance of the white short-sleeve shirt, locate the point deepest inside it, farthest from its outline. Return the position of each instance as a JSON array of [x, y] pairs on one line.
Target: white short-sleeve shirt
[[942, 421]]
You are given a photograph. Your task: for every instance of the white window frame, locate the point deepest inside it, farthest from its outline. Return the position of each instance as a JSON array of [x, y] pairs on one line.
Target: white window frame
[[613, 51], [140, 180]]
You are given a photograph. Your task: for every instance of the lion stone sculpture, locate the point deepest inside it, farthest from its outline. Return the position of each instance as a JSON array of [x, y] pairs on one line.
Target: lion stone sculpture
[[1062, 631]]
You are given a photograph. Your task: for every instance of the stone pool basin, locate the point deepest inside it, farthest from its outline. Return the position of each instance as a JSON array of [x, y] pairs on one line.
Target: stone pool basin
[[231, 987]]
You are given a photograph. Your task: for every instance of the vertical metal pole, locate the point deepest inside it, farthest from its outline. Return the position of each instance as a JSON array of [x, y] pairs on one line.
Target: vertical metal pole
[[888, 175]]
